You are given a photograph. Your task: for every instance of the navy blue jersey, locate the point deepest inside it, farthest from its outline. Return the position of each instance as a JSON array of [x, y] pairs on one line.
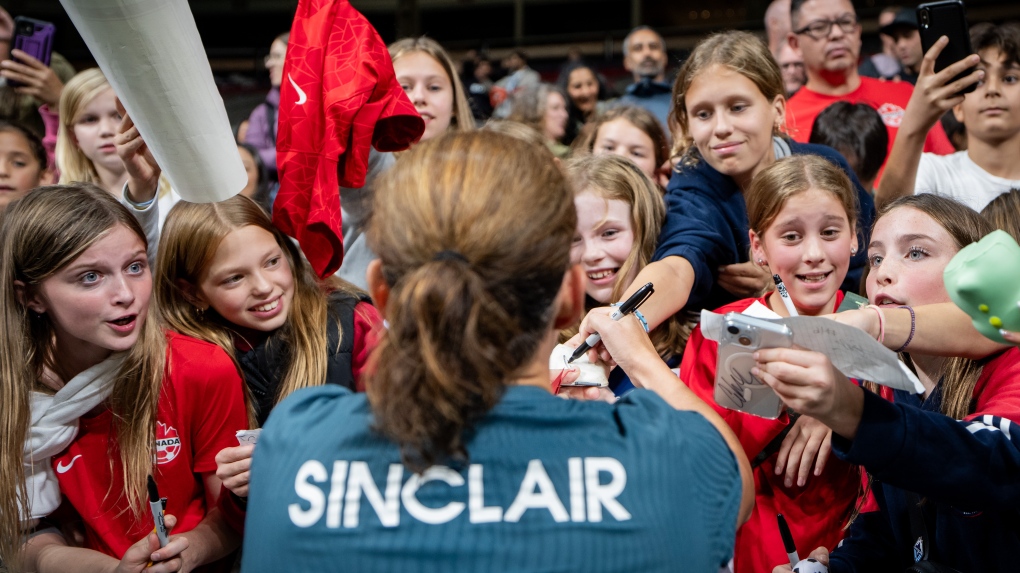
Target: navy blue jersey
[[550, 485]]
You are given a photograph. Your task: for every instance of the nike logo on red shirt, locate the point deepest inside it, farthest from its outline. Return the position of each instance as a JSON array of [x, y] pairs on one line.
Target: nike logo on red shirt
[[62, 469]]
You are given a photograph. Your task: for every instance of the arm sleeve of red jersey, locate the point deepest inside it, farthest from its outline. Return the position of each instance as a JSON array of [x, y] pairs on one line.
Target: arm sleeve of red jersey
[[367, 330], [218, 409]]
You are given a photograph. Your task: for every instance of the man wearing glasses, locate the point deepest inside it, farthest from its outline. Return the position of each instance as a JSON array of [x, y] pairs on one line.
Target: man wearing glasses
[[827, 34]]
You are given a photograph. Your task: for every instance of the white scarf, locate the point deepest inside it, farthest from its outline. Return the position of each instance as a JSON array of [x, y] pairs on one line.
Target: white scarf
[[54, 427]]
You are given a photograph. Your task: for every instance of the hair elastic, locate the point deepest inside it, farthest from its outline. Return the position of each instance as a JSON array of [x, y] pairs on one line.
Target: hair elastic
[[881, 321], [449, 255], [913, 328]]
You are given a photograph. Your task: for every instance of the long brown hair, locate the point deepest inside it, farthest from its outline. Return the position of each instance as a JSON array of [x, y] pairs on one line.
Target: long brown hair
[[614, 177], [40, 234], [959, 375], [1003, 213], [739, 51], [191, 235], [777, 183], [473, 231]]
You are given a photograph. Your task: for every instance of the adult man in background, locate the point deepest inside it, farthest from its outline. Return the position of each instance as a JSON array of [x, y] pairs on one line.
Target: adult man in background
[[644, 56], [829, 37]]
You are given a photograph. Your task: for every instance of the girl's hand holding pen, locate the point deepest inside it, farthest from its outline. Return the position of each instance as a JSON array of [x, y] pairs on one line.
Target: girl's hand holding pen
[[146, 555]]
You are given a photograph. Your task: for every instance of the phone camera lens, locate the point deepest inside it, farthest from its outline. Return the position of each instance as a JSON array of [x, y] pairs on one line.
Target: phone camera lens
[[27, 29], [744, 340], [733, 330], [924, 18]]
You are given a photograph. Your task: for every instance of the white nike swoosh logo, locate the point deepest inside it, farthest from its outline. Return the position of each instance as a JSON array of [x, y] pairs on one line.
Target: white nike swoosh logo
[[62, 469], [302, 98]]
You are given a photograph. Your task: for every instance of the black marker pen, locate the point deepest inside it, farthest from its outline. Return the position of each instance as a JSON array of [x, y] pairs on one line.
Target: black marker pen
[[156, 504]]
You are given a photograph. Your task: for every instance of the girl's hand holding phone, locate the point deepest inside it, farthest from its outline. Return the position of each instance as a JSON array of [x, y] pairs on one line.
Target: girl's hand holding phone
[[809, 383], [146, 555], [36, 78]]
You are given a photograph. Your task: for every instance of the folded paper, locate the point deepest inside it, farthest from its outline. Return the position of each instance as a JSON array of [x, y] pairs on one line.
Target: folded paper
[[851, 350], [152, 55]]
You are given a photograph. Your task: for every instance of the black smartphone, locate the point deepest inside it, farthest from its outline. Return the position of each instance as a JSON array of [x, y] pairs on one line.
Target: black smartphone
[[34, 37], [947, 18]]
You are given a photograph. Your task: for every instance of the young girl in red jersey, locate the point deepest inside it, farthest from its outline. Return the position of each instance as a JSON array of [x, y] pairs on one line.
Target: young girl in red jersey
[[955, 445], [801, 211], [79, 346], [225, 275]]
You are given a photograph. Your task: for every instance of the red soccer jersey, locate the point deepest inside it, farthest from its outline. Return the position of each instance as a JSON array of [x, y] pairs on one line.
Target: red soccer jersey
[[816, 513], [889, 98], [201, 406]]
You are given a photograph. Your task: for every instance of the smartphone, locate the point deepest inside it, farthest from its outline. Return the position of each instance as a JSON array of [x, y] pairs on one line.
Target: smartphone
[[947, 18], [34, 37], [735, 387]]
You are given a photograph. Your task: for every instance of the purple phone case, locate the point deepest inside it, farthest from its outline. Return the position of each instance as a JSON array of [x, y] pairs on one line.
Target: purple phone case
[[38, 44]]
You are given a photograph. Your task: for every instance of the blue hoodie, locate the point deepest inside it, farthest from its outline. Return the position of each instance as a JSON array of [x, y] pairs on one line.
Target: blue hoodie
[[968, 471], [706, 223]]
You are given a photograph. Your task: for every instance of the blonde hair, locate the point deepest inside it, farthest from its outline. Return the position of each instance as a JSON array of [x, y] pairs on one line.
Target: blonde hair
[[463, 119], [777, 183], [191, 235], [741, 52], [40, 234], [639, 117], [74, 166], [473, 231], [84, 87], [517, 130], [612, 177]]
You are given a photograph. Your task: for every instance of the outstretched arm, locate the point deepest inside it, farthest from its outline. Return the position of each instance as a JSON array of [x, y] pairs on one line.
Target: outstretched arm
[[932, 97]]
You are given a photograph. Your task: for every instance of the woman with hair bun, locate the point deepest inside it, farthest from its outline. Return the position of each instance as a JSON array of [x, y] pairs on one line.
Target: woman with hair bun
[[459, 457]]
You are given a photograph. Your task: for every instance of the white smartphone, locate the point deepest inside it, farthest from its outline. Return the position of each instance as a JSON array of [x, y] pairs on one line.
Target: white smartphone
[[735, 387]]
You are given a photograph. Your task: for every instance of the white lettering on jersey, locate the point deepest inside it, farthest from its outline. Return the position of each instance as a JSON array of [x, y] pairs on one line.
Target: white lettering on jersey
[[477, 511], [352, 480], [600, 495], [537, 492], [423, 513], [311, 470], [359, 482], [574, 466]]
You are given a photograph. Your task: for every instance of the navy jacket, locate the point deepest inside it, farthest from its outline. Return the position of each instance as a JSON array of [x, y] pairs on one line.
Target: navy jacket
[[967, 471], [706, 223]]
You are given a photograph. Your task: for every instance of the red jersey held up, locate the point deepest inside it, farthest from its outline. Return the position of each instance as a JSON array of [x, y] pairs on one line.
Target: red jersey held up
[[339, 97], [201, 406], [888, 98], [816, 513]]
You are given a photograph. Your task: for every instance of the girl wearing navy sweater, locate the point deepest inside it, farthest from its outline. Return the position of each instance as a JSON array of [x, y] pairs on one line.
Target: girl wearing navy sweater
[[729, 106]]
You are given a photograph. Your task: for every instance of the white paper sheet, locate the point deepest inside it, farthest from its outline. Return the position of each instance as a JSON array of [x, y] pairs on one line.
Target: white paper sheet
[[590, 374], [151, 53], [852, 351]]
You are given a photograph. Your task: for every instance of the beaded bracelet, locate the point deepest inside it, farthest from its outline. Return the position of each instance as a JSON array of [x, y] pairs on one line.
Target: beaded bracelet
[[881, 322], [641, 317], [913, 328]]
